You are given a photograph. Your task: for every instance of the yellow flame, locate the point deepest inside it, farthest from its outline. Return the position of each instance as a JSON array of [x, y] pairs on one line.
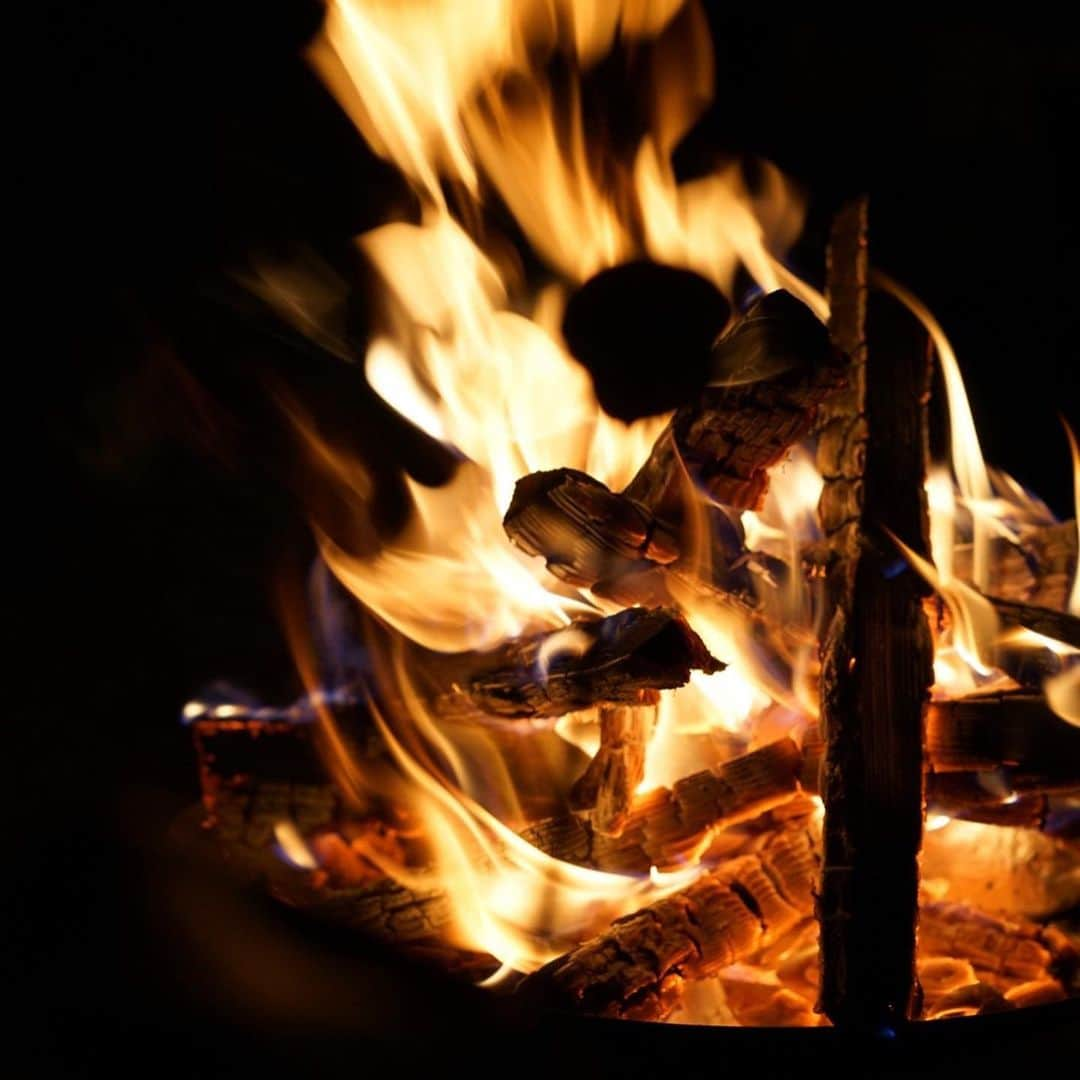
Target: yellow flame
[[293, 846], [975, 623], [508, 898], [967, 459]]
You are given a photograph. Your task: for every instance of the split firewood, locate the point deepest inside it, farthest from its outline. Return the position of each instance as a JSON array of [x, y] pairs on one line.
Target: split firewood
[[762, 1002], [666, 827], [636, 969], [877, 653], [770, 375], [608, 785], [986, 798], [1004, 950], [743, 424], [623, 659], [593, 538], [973, 999], [982, 732]]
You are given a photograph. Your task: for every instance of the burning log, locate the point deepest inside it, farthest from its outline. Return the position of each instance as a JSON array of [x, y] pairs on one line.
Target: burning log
[[877, 654], [623, 659], [1005, 951], [587, 535], [1046, 621], [607, 786], [636, 969], [981, 732], [744, 423], [771, 373], [666, 826]]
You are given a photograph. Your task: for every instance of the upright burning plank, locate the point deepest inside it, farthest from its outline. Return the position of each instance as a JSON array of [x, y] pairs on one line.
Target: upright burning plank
[[877, 652]]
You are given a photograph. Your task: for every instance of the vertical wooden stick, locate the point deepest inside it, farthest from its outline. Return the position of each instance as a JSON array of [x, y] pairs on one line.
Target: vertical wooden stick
[[877, 653]]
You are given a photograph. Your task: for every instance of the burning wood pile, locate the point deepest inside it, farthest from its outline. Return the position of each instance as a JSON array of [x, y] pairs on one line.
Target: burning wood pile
[[731, 714]]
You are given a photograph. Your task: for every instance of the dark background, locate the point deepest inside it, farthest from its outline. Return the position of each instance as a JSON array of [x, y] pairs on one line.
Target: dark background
[[183, 139]]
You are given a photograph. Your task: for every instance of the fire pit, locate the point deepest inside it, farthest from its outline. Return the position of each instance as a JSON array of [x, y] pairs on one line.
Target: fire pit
[[697, 693]]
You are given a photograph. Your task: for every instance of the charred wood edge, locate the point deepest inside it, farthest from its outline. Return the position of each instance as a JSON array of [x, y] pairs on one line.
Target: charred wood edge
[[877, 653], [1055, 624], [622, 659], [635, 970], [727, 440], [593, 538], [666, 826], [612, 777]]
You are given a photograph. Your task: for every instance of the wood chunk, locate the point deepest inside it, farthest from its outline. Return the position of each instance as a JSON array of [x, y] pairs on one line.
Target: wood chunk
[[585, 533], [1012, 948], [383, 910], [593, 538], [1016, 729], [877, 653], [668, 827], [940, 976], [636, 968], [725, 442], [1053, 624], [608, 785], [622, 659]]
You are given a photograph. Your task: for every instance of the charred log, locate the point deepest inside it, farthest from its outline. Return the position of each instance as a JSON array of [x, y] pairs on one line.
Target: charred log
[[593, 538], [744, 423], [636, 969], [623, 659], [664, 827], [1015, 871], [1005, 951], [1046, 621], [608, 784], [1019, 730], [877, 655]]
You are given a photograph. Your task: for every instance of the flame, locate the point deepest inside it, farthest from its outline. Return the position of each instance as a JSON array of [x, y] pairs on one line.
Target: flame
[[478, 102], [293, 847], [968, 465]]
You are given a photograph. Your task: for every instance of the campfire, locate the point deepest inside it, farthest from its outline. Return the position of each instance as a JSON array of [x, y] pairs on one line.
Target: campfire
[[698, 692]]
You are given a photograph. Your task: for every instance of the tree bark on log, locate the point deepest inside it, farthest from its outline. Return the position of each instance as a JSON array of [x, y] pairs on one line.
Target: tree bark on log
[[623, 659], [636, 969], [877, 654]]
